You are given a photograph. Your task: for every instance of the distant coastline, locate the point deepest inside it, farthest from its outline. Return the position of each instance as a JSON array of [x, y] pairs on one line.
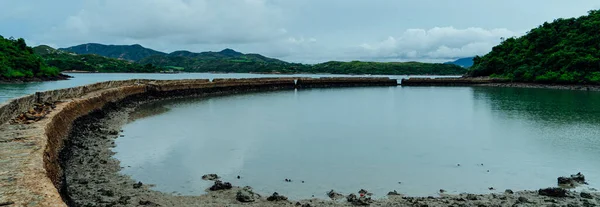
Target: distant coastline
[[4, 80]]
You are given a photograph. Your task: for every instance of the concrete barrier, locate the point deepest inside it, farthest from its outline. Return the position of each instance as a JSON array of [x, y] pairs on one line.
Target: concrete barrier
[[30, 171]]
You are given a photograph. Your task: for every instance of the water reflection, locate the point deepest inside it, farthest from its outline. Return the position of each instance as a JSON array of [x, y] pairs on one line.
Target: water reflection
[[372, 138]]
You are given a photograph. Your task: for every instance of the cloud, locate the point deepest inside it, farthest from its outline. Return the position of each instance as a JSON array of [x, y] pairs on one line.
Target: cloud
[[173, 21], [436, 43]]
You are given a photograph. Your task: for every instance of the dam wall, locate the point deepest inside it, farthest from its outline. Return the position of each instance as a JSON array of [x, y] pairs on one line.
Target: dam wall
[[30, 172]]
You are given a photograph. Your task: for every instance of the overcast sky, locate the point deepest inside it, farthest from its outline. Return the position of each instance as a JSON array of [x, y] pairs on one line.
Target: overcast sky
[[294, 30]]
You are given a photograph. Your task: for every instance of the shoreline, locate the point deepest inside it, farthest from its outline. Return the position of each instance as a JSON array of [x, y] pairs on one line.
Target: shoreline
[[90, 170], [59, 77], [491, 82]]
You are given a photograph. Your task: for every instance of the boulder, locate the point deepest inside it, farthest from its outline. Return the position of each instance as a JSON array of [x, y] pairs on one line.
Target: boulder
[[211, 177], [393, 193], [334, 195], [553, 192], [246, 195], [359, 201], [586, 195], [276, 197], [577, 179], [220, 186]]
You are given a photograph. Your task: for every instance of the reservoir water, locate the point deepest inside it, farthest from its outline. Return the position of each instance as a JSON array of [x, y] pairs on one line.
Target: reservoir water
[[409, 139]]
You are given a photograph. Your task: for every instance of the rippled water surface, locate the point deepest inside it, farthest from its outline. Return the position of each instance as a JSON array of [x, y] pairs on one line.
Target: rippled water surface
[[408, 139]]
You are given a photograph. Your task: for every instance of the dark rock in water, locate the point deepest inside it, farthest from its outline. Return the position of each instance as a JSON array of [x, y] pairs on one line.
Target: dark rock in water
[[509, 191], [471, 197], [362, 191], [573, 180], [359, 201], [276, 197], [334, 195], [553, 192], [220, 186], [442, 191], [138, 185], [238, 177], [491, 188], [113, 132], [211, 177], [246, 195], [586, 195], [393, 193]]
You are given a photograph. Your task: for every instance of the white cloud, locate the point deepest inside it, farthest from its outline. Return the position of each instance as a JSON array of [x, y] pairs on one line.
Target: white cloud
[[437, 43], [173, 21]]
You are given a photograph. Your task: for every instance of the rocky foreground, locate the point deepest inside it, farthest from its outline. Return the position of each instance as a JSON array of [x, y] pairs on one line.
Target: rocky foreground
[[92, 178]]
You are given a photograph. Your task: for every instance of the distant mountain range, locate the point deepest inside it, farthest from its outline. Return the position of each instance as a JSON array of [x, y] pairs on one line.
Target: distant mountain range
[[136, 58], [126, 52], [463, 62]]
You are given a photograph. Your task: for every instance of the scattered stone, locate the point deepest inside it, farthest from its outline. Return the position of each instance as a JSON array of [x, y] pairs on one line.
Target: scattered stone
[[471, 197], [298, 204], [458, 165], [138, 185], [220, 186], [334, 195], [288, 180], [211, 177], [306, 205], [303, 181], [491, 188], [522, 199], [34, 114], [553, 192], [442, 191], [124, 200], [393, 193], [276, 197], [577, 179], [586, 195], [148, 203], [509, 191], [238, 177], [246, 195], [6, 203], [113, 132], [359, 201]]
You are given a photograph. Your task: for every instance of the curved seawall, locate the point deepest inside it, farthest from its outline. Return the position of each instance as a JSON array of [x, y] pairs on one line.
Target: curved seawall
[[30, 172]]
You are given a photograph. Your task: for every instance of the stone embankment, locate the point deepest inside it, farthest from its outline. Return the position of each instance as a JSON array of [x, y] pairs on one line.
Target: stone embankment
[[33, 128]]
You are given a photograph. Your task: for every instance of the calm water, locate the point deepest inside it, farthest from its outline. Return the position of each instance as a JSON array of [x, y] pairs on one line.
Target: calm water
[[371, 138], [9, 91]]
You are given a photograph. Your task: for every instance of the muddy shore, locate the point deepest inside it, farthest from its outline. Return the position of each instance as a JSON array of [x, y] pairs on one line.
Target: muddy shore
[[92, 178]]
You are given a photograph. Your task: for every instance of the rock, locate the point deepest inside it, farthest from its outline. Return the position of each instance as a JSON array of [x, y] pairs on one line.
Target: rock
[[306, 205], [276, 197], [363, 191], [220, 186], [442, 191], [238, 177], [359, 201], [522, 199], [246, 195], [553, 192], [124, 200], [577, 179], [509, 191], [471, 197], [148, 203], [137, 185], [211, 177], [586, 195], [393, 193], [6, 203], [334, 195]]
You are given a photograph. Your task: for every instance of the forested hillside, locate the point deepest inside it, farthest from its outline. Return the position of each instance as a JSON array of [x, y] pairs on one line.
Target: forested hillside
[[563, 51]]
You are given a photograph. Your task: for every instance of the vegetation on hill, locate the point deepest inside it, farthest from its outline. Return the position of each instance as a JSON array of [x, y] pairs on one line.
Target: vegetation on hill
[[90, 62], [125, 52], [564, 51], [390, 68], [17, 60], [231, 61]]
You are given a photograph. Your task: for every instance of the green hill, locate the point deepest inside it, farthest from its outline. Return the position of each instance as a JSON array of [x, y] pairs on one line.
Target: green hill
[[563, 51], [126, 52], [90, 62], [389, 68], [17, 60]]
